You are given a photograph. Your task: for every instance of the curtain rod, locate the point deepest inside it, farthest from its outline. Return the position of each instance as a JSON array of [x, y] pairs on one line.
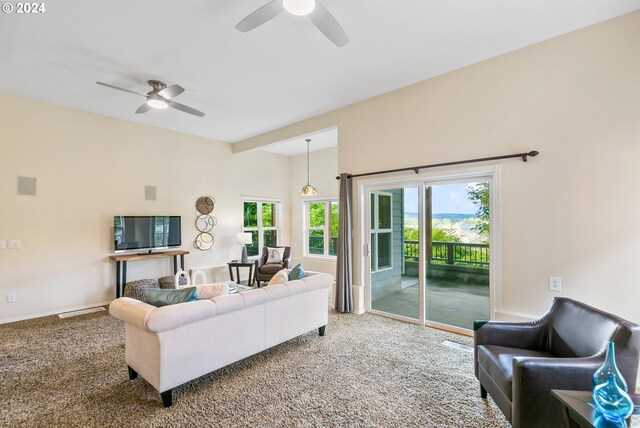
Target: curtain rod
[[417, 169]]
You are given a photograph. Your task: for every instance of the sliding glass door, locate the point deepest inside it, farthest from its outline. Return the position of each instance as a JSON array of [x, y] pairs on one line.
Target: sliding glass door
[[429, 251], [457, 262], [394, 230]]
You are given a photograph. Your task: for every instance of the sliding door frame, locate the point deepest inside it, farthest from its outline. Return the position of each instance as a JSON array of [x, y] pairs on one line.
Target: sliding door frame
[[490, 173]]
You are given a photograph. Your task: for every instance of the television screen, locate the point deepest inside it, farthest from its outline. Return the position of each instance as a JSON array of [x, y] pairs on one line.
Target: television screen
[[146, 232]]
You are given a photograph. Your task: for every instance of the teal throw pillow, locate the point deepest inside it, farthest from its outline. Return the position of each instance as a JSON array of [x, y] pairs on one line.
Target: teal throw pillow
[[297, 272], [163, 297]]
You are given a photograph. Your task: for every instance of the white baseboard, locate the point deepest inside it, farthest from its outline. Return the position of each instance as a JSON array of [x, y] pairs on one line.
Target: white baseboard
[[358, 300], [56, 312], [501, 315]]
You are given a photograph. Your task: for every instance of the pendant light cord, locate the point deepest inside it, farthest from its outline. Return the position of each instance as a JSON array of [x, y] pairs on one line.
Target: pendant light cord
[[308, 141]]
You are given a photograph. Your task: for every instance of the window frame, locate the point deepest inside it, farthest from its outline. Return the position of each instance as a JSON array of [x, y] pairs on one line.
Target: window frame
[[375, 231], [306, 210], [260, 228]]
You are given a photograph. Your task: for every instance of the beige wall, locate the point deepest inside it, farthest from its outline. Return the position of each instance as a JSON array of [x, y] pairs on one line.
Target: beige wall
[[90, 168], [570, 212], [324, 169]]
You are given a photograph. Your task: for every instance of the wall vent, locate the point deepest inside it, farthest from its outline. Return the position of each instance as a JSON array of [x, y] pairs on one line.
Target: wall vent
[[26, 186], [150, 193]]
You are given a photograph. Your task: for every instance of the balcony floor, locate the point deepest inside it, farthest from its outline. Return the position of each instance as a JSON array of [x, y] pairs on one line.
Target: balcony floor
[[447, 302]]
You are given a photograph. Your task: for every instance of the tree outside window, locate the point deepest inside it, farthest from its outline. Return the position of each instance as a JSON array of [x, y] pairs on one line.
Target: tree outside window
[[261, 219], [321, 228]]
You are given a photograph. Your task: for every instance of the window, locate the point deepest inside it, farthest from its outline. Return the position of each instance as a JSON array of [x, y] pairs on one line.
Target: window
[[381, 233], [262, 220], [321, 228]]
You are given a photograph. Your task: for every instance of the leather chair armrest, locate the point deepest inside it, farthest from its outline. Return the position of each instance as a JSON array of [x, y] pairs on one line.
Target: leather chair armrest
[[535, 377], [529, 335]]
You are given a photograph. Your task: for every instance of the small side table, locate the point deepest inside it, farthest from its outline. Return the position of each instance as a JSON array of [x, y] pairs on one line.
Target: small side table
[[578, 411], [253, 271]]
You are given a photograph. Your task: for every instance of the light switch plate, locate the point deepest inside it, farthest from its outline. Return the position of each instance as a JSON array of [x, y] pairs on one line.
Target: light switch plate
[[3, 244], [14, 244]]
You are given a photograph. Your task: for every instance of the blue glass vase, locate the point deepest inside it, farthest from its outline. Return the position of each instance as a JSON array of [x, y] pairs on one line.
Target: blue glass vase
[[609, 366], [609, 390], [612, 402]]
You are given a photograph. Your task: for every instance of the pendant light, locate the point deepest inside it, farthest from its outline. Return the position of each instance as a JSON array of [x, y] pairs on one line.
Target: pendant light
[[308, 190]]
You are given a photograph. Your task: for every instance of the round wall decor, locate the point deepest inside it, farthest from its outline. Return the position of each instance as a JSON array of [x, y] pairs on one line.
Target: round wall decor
[[205, 223]]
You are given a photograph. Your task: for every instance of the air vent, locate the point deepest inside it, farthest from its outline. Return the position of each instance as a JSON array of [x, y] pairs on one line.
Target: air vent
[[27, 186], [150, 193]]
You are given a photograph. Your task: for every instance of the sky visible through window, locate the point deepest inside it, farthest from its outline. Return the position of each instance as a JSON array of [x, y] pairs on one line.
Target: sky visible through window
[[447, 199]]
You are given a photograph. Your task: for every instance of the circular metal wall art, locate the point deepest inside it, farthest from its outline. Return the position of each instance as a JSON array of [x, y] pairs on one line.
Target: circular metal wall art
[[204, 223], [204, 241], [205, 205]]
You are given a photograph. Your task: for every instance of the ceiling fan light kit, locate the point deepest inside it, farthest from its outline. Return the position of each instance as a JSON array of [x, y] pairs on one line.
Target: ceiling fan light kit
[[160, 97], [157, 102], [299, 7]]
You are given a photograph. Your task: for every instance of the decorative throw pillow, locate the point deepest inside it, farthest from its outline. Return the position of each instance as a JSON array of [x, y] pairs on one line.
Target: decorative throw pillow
[[208, 291], [163, 297], [274, 255], [279, 277], [297, 272]]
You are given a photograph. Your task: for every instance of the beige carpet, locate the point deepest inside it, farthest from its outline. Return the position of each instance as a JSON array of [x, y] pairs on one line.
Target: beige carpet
[[367, 371]]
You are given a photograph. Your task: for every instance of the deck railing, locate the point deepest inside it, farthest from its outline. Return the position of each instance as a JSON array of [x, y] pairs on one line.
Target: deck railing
[[451, 253], [316, 245]]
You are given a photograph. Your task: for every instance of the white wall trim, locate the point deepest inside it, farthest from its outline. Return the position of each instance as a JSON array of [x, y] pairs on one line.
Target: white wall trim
[[502, 315], [56, 312]]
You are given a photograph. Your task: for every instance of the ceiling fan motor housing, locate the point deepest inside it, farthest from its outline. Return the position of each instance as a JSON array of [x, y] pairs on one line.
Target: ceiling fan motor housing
[[157, 85]]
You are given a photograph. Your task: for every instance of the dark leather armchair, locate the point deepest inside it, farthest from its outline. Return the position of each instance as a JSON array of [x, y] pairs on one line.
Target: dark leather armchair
[[267, 270], [519, 363]]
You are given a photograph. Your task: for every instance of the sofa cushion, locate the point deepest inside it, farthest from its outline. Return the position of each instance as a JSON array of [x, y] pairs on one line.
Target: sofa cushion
[[159, 297], [280, 277], [209, 291], [297, 272], [271, 269], [497, 361]]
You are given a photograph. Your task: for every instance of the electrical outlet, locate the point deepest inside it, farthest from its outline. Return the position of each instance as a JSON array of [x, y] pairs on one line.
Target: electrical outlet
[[555, 283], [14, 244], [11, 297], [3, 244]]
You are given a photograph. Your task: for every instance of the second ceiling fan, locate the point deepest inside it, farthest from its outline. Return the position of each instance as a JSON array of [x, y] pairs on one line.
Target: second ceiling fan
[[317, 13]]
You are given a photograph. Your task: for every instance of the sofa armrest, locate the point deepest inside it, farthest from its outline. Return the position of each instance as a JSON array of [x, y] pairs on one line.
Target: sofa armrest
[[535, 377], [131, 311]]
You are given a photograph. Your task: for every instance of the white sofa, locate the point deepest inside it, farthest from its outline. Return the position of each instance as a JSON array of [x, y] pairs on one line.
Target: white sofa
[[174, 344]]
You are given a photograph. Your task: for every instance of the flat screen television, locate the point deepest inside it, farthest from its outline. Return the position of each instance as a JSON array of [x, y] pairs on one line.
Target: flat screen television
[[146, 232]]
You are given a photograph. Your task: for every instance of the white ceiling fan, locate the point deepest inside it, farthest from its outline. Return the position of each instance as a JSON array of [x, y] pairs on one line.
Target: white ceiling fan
[[317, 13], [160, 97]]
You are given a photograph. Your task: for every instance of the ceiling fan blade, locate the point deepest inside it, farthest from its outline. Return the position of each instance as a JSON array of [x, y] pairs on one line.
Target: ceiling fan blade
[[120, 89], [185, 108], [328, 25], [260, 16], [171, 91], [143, 108]]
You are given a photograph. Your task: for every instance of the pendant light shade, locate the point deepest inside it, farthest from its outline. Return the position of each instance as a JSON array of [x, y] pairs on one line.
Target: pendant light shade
[[308, 190]]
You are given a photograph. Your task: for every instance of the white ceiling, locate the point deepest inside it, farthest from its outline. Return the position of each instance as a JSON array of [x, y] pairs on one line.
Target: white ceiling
[[277, 74]]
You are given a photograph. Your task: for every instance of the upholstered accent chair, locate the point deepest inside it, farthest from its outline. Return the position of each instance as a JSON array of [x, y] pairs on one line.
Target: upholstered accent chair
[[267, 270], [519, 363]]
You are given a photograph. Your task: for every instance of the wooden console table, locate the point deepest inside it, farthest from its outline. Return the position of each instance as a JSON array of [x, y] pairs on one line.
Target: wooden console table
[[121, 261]]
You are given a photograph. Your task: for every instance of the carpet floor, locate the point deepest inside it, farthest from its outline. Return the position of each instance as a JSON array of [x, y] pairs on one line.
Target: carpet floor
[[368, 371]]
